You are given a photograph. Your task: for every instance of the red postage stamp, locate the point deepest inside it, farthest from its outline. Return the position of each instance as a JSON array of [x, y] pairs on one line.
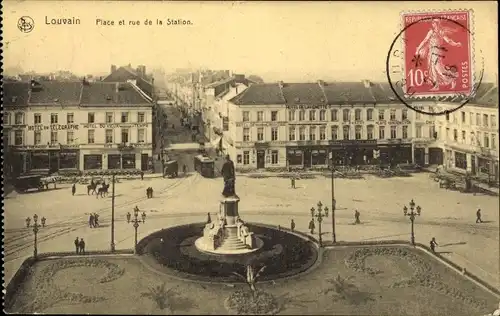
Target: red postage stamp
[[438, 51]]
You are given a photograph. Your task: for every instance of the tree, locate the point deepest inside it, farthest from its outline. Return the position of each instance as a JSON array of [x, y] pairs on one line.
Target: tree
[[160, 295], [251, 276], [344, 290]]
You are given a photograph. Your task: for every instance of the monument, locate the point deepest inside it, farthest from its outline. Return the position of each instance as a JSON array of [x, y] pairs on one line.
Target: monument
[[228, 235]]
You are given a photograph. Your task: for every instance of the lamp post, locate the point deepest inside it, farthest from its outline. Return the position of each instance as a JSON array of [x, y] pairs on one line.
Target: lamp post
[[334, 202], [113, 214], [319, 213], [36, 227], [412, 214], [135, 223]]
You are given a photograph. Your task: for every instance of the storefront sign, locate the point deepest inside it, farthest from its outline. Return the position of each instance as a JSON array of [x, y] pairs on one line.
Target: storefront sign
[[352, 142], [382, 122], [358, 122], [70, 147], [36, 147], [115, 125], [40, 127], [429, 122], [308, 106], [406, 122]]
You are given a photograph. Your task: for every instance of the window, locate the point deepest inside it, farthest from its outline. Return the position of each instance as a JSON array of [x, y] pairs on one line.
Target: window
[[369, 115], [70, 137], [334, 114], [38, 118], [322, 133], [246, 157], [432, 131], [381, 132], [345, 132], [381, 115], [109, 136], [322, 115], [357, 115], [471, 119], [485, 120], [472, 138], [463, 116], [464, 136], [302, 115], [291, 115], [260, 116], [291, 133], [478, 119], [274, 133], [260, 134], [418, 131], [274, 116], [493, 141], [125, 138], [246, 134], [246, 116], [302, 133], [141, 117], [486, 140], [455, 119], [405, 132], [369, 132], [312, 115], [109, 117], [90, 118], [404, 114], [124, 117], [19, 119], [70, 118], [18, 138], [393, 114], [91, 134], [478, 139], [447, 133], [6, 119], [141, 135], [53, 137], [345, 115], [460, 160], [393, 132], [312, 133], [54, 118], [455, 135], [357, 131], [493, 119], [274, 157], [335, 132], [38, 137]]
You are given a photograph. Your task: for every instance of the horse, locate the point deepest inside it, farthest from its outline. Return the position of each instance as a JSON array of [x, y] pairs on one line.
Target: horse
[[103, 190], [91, 187]]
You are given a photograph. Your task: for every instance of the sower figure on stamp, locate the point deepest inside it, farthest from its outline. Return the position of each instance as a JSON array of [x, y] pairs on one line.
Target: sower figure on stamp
[[229, 178]]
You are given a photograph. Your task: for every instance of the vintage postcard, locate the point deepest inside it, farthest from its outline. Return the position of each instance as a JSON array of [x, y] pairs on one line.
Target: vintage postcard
[[294, 158]]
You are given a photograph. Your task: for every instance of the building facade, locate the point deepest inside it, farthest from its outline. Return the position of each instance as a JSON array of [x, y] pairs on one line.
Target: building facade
[[67, 126], [307, 125]]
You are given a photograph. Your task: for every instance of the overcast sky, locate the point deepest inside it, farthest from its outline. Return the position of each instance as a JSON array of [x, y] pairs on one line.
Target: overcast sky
[[292, 41]]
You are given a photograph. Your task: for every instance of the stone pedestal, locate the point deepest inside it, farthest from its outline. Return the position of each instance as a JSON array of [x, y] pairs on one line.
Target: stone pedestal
[[229, 209]]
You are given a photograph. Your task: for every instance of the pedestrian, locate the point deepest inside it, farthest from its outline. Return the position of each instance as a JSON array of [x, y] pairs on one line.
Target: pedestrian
[[184, 169], [81, 245], [433, 244], [128, 217], [292, 225], [43, 221], [77, 245], [209, 219], [28, 222], [151, 192], [312, 226], [142, 175], [91, 221], [356, 217], [293, 182], [478, 216], [96, 220], [147, 192], [73, 189]]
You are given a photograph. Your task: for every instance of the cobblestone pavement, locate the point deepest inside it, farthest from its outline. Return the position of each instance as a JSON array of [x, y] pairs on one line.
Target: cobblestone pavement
[[447, 215]]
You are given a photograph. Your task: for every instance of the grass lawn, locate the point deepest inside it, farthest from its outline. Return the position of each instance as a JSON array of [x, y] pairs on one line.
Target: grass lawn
[[349, 281]]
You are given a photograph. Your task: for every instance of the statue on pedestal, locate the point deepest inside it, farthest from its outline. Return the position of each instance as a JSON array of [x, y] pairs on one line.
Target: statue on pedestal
[[229, 176]]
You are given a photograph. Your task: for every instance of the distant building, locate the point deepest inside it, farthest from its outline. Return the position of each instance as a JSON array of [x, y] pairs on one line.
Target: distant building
[[127, 74], [54, 126]]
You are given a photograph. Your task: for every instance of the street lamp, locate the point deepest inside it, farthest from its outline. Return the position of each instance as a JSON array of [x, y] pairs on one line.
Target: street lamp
[[334, 202], [135, 223], [319, 214], [36, 227], [412, 214]]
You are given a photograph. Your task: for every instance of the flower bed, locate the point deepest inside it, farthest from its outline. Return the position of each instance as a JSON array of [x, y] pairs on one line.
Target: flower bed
[[249, 303]]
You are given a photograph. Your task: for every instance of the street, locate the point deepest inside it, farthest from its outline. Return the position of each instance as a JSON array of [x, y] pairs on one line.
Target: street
[[447, 215]]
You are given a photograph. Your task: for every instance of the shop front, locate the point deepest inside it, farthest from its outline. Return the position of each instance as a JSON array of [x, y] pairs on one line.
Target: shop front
[[352, 152], [393, 154], [294, 156], [69, 158], [436, 156]]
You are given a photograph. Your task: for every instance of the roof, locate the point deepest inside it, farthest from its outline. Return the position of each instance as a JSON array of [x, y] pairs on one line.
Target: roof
[[72, 93], [362, 92], [121, 74]]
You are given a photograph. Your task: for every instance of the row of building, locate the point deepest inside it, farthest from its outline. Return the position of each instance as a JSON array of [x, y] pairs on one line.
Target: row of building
[[310, 125]]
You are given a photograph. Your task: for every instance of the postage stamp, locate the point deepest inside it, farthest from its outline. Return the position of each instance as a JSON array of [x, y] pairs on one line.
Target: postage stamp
[[438, 53]]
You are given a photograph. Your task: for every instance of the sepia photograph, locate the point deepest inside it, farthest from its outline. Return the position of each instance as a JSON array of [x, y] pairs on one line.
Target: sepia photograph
[[250, 158]]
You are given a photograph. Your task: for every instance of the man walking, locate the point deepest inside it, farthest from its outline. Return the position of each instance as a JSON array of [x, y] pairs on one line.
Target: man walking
[[81, 245], [96, 220], [77, 247], [478, 216], [433, 244], [312, 226], [142, 175], [293, 182], [91, 221], [356, 217], [292, 225], [73, 189]]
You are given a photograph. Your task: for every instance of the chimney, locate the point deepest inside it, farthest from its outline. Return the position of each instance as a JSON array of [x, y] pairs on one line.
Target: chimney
[[367, 83], [113, 68]]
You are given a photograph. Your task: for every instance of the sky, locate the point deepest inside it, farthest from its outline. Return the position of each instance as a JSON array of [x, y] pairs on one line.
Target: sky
[[290, 41]]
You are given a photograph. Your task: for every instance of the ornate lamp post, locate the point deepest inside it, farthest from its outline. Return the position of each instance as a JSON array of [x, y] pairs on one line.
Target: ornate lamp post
[[334, 202], [135, 223], [36, 227], [319, 214], [412, 214]]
